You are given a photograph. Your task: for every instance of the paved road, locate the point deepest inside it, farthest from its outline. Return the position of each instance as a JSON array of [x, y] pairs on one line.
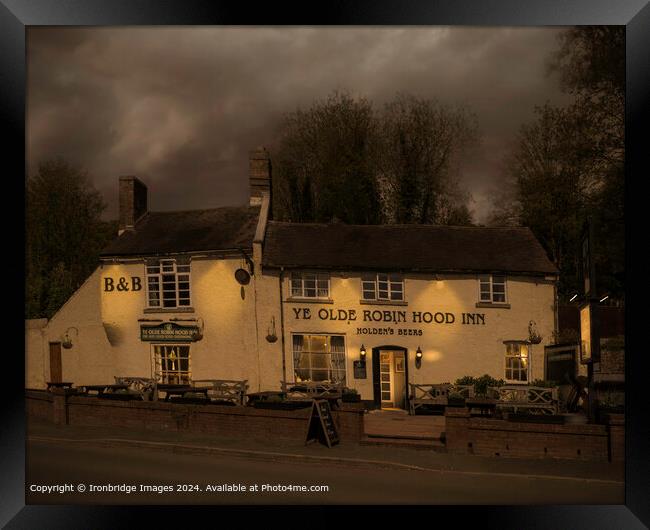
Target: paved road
[[54, 463]]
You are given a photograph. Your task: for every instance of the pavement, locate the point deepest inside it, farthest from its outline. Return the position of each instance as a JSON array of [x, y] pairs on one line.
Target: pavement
[[343, 454]]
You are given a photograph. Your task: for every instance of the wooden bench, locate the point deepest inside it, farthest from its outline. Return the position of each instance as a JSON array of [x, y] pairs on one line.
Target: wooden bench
[[226, 389], [535, 399], [301, 390], [435, 394]]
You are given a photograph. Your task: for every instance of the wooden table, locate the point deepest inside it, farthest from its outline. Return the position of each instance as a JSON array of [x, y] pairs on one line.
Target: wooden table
[[181, 390], [102, 390], [263, 396]]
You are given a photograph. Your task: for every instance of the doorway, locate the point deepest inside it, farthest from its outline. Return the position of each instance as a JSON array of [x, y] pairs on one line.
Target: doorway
[[390, 377], [56, 375]]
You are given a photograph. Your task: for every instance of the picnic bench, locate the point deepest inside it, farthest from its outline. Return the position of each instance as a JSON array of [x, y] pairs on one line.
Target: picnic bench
[[435, 394], [107, 391], [226, 389], [142, 386], [532, 399], [182, 390], [58, 384]]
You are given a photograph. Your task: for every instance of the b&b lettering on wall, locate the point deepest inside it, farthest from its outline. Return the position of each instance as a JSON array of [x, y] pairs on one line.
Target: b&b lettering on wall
[[122, 284]]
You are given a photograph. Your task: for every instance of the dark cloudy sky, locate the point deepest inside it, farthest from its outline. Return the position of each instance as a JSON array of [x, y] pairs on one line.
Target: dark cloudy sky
[[181, 107]]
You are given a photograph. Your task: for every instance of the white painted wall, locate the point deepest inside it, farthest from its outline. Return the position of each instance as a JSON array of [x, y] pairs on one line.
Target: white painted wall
[[449, 351]]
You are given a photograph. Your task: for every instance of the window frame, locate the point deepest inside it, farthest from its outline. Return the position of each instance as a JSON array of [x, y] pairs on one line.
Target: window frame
[[342, 371], [151, 262], [157, 365], [481, 280], [373, 278], [507, 356], [318, 276]]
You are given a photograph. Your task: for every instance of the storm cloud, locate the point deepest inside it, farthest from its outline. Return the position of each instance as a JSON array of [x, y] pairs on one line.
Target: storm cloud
[[181, 107]]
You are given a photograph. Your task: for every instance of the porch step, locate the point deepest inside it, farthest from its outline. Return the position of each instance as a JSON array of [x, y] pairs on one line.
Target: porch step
[[426, 443]]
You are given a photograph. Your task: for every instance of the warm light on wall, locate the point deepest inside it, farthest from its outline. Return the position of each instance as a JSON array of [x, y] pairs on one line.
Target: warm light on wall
[[362, 353], [418, 358]]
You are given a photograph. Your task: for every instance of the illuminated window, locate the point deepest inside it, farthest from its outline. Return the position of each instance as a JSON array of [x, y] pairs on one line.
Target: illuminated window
[[172, 364], [310, 285], [319, 358], [168, 283], [389, 287], [516, 361], [492, 289]]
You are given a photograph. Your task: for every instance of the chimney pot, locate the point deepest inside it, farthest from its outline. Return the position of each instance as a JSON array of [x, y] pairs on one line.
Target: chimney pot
[[133, 202]]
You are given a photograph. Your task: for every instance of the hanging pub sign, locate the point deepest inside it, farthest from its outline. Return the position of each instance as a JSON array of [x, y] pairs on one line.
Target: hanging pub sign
[[169, 332]]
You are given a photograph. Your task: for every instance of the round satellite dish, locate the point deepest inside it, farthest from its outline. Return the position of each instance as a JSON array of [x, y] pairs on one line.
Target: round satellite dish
[[242, 276]]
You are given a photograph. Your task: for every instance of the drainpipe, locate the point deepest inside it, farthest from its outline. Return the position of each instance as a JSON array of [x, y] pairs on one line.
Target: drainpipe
[[284, 359]]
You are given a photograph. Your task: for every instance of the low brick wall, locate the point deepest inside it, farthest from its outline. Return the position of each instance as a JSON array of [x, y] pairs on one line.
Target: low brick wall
[[211, 419], [495, 437], [38, 404]]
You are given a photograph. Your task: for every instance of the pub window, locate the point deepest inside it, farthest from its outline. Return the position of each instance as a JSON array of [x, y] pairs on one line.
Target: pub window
[[168, 283], [172, 364], [389, 287], [310, 285], [319, 358], [516, 362], [492, 289]]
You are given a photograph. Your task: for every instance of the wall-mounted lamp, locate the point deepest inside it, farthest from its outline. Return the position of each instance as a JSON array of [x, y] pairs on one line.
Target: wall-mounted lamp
[[573, 297], [362, 353], [66, 342], [603, 298], [418, 358]]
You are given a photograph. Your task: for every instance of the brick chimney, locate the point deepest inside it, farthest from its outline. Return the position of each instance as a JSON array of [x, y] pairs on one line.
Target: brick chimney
[[133, 202], [259, 175]]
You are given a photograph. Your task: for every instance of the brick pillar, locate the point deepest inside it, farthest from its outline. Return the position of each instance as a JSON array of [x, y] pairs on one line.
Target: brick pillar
[[616, 435], [349, 421], [457, 430], [59, 407]]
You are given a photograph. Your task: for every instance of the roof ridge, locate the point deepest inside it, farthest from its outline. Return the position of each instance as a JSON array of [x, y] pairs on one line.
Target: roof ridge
[[412, 225], [242, 207]]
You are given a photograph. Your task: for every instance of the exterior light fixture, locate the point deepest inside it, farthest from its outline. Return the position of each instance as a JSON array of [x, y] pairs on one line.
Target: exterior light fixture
[[418, 358], [66, 342], [604, 298], [573, 297], [362, 353]]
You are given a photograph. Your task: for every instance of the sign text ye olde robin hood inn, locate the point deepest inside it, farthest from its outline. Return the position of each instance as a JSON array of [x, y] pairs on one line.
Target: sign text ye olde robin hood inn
[[229, 293]]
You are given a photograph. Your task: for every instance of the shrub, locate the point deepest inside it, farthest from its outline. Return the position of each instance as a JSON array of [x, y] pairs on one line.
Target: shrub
[[480, 384]]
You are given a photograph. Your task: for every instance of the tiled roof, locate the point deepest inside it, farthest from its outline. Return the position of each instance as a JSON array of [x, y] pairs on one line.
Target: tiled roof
[[404, 247], [193, 230]]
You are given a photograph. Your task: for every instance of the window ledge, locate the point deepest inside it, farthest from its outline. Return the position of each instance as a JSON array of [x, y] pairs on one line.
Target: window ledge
[[310, 300], [169, 310], [383, 302], [489, 304]]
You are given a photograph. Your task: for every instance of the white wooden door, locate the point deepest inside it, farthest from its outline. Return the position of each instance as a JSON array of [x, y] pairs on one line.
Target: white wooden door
[[386, 378]]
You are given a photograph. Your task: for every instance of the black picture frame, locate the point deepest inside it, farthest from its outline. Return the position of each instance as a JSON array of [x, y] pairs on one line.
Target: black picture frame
[[17, 15]]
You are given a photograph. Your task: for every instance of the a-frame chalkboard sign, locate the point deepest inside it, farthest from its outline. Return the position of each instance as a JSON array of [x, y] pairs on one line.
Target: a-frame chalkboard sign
[[321, 425]]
